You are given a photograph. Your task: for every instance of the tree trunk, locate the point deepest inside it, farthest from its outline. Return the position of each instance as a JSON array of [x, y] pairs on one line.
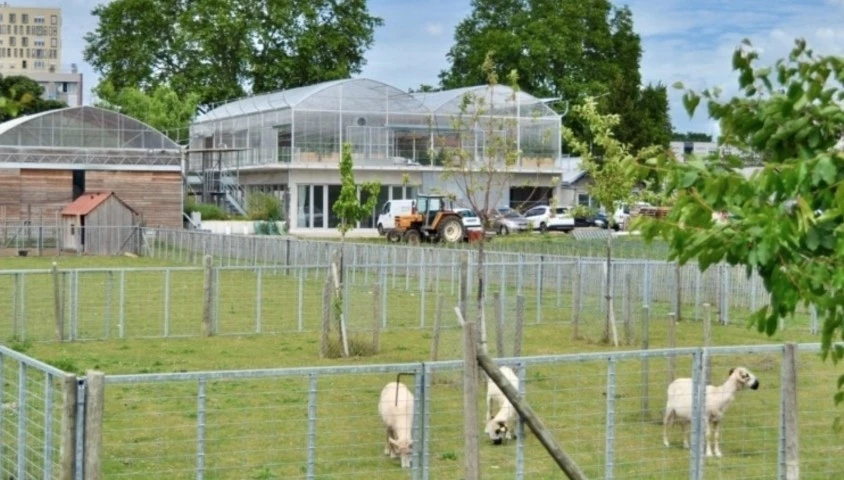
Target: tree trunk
[[609, 326]]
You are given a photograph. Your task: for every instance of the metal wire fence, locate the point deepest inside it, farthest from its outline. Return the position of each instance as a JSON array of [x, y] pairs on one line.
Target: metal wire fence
[[31, 420], [605, 409]]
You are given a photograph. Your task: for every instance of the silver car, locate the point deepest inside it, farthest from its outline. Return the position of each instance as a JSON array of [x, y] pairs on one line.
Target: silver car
[[505, 220]]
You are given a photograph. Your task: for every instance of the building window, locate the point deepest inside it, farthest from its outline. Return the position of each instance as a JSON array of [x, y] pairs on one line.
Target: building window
[[24, 41], [54, 42], [38, 19], [23, 64], [38, 42], [24, 18], [12, 18], [12, 41], [38, 65], [54, 19]]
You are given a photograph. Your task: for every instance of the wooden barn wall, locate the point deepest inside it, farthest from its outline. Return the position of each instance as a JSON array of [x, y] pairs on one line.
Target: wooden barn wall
[[156, 196], [108, 228], [43, 193], [10, 195]]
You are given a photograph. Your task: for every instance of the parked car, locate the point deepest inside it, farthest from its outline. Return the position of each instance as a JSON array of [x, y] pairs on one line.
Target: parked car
[[601, 221], [471, 220], [388, 213], [544, 218], [505, 220]]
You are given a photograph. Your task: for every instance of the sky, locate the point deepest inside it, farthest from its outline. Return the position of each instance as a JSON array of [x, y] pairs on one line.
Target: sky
[[691, 41]]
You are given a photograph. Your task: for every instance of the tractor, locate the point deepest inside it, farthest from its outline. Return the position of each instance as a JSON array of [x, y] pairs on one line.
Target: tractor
[[430, 219]]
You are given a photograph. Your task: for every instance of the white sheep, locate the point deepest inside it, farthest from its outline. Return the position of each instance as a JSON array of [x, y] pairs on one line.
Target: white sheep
[[396, 409], [500, 426], [718, 398]]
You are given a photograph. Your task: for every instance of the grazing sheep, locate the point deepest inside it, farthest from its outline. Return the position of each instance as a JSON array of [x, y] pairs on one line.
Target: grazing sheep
[[396, 409], [500, 427], [718, 398]]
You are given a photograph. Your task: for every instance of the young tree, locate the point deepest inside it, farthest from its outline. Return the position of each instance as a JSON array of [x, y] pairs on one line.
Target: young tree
[[787, 218], [23, 96], [161, 108], [611, 181], [222, 49]]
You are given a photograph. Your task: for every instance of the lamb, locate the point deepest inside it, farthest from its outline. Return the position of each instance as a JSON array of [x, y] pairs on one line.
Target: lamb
[[718, 398], [396, 409], [500, 427]]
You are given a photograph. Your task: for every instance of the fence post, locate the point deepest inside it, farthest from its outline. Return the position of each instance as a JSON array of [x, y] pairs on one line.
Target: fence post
[[312, 418], [672, 344], [166, 302], [67, 449], [520, 322], [464, 280], [575, 302], [499, 324], [697, 429], [259, 298], [645, 375], [208, 296], [57, 304], [383, 279], [423, 285], [789, 462], [470, 403], [678, 292], [376, 318], [707, 338], [300, 299], [627, 310], [520, 426], [327, 311], [609, 452], [200, 430], [418, 433], [435, 341], [121, 304], [539, 274], [94, 405], [426, 416]]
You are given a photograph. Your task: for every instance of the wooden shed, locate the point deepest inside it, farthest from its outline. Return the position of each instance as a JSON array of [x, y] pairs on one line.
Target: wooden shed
[[100, 223]]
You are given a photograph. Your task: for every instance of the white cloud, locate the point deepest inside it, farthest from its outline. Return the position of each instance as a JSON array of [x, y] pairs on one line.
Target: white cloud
[[434, 29]]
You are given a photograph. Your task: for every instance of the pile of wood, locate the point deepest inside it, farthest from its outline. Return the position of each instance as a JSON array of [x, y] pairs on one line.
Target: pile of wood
[[657, 212]]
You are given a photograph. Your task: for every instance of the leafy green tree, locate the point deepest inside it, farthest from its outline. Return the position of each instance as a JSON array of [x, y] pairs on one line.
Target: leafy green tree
[[562, 48], [218, 48], [348, 206], [787, 218], [23, 96], [161, 108], [611, 182]]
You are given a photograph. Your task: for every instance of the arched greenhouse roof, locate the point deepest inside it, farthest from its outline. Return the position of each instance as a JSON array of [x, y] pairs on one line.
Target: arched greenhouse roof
[[448, 102], [82, 127], [351, 94]]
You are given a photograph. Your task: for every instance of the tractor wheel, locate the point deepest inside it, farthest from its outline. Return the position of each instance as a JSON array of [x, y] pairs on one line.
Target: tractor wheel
[[393, 236], [380, 230], [450, 230], [413, 237]]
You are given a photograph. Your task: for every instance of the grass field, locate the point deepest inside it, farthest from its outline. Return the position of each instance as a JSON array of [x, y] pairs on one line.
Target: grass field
[[257, 428]]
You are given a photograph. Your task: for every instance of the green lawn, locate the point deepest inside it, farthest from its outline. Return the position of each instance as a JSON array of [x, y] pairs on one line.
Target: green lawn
[[257, 428]]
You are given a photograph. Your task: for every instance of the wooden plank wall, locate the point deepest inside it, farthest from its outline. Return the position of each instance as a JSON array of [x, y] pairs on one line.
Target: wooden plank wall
[[157, 196], [10, 195], [43, 193], [108, 228]]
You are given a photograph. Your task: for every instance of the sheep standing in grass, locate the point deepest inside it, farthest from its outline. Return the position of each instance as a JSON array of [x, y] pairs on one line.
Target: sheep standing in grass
[[500, 427], [396, 409], [718, 398]]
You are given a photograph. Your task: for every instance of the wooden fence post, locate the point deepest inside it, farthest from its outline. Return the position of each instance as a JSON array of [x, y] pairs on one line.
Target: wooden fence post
[[94, 407], [57, 305], [471, 434], [645, 373], [672, 343], [499, 324], [435, 341], [67, 450], [376, 317], [207, 298], [519, 329]]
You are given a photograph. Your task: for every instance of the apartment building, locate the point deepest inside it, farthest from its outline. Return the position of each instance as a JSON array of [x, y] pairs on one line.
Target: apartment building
[[31, 45]]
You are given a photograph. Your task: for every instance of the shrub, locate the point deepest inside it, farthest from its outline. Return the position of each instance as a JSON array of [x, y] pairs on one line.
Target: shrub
[[263, 206], [209, 211]]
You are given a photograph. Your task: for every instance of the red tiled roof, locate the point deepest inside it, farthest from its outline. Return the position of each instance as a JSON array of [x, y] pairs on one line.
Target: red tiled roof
[[86, 203]]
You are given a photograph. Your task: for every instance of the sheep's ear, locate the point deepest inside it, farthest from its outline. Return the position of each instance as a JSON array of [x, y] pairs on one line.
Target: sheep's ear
[[731, 371]]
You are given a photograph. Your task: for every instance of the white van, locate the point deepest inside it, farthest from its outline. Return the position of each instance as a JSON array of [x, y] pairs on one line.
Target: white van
[[387, 215]]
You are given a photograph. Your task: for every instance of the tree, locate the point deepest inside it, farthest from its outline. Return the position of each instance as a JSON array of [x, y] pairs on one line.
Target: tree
[[481, 177], [787, 218], [611, 181], [161, 108], [23, 96], [566, 49], [222, 49]]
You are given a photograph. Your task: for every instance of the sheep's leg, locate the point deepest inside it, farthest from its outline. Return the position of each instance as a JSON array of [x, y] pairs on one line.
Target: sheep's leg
[[666, 422], [685, 435], [708, 439], [717, 437], [388, 449]]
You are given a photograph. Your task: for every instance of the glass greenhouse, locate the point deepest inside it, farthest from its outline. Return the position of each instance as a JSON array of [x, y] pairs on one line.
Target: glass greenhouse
[[85, 135], [385, 126]]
